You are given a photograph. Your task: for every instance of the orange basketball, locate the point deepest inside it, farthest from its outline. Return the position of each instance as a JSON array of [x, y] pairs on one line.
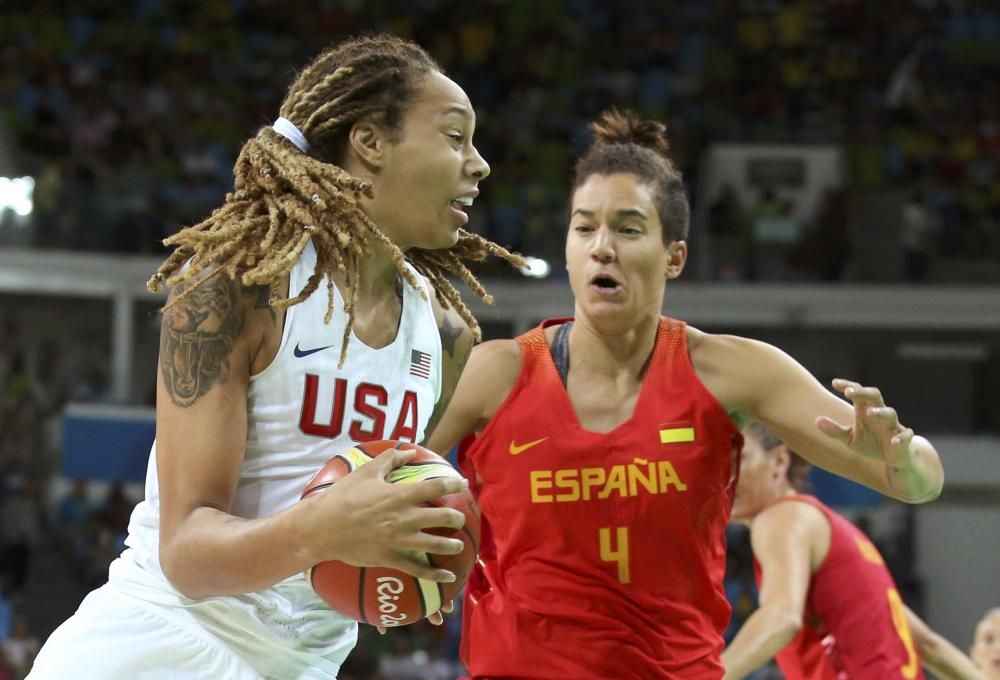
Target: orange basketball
[[381, 595]]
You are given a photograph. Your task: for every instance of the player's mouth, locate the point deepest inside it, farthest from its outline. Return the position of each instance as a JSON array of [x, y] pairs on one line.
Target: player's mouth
[[606, 285], [460, 205]]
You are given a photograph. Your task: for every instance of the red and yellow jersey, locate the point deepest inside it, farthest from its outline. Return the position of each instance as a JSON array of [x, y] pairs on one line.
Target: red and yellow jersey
[[854, 623], [603, 553]]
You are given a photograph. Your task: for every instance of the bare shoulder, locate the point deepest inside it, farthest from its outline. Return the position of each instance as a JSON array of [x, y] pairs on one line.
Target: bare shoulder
[[713, 348], [736, 369], [484, 385], [500, 360], [723, 363], [788, 519]]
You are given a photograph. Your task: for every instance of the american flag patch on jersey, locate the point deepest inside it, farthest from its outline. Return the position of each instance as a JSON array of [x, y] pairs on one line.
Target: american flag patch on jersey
[[420, 364]]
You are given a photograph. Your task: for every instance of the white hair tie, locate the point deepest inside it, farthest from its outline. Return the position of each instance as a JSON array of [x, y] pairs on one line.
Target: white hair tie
[[287, 129]]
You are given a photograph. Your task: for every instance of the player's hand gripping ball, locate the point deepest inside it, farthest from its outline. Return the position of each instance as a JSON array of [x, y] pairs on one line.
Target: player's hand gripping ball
[[381, 595]]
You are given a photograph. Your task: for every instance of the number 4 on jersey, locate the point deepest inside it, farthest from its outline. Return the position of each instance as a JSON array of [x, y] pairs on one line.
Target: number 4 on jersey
[[616, 550]]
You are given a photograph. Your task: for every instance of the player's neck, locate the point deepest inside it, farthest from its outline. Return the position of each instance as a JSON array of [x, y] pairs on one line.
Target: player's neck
[[611, 351], [781, 494], [376, 280]]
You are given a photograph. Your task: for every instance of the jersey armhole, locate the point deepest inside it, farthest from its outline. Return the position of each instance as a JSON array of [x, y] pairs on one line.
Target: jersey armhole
[[286, 324]]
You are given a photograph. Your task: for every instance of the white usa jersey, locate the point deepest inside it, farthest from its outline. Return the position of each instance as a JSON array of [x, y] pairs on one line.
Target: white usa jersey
[[301, 410]]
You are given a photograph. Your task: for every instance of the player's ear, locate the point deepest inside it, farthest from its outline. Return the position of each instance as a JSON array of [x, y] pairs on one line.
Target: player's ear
[[782, 460], [367, 140], [676, 257]]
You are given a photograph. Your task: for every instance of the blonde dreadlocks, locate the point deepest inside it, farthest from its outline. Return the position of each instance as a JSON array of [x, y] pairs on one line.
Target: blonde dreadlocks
[[284, 198]]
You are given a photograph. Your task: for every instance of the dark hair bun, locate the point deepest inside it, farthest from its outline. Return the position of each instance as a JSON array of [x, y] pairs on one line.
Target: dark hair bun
[[626, 127]]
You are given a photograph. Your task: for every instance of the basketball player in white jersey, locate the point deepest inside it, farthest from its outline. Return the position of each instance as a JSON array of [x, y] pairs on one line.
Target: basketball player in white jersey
[[363, 181]]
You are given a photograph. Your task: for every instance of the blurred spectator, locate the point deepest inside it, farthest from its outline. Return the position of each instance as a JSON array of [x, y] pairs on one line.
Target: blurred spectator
[[915, 237], [6, 611], [399, 663], [73, 515], [20, 648], [20, 531], [741, 587], [775, 228], [731, 236], [434, 665], [106, 546], [824, 248], [6, 667], [116, 509]]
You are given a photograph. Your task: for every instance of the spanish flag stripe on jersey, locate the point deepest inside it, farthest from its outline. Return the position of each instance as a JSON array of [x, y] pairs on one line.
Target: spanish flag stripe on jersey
[[676, 435]]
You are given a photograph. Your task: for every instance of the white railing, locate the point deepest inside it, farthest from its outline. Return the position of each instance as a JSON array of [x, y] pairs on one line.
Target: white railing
[[522, 302]]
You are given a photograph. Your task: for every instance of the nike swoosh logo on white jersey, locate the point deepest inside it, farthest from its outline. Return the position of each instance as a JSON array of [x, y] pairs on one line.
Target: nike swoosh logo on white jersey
[[299, 353]]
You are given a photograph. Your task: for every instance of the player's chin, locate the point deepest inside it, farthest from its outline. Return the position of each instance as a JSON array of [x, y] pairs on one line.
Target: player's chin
[[609, 310], [440, 237]]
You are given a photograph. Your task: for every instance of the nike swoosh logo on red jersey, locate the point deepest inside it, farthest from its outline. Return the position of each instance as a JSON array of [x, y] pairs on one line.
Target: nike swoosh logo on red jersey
[[518, 449]]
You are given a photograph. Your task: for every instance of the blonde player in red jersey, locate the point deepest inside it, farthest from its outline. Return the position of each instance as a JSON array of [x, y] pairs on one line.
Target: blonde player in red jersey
[[986, 644], [829, 609], [608, 446]]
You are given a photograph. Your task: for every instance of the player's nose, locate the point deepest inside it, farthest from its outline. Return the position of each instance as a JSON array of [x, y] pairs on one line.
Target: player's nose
[[603, 247], [477, 166]]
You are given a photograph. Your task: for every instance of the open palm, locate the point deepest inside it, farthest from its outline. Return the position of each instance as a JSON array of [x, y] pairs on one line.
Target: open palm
[[876, 431]]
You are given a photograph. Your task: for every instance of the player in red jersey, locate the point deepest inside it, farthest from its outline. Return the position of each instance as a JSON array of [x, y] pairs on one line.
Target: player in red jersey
[[607, 446], [986, 644], [829, 609]]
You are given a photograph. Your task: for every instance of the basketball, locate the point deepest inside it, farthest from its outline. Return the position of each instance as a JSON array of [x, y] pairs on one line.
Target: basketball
[[382, 595]]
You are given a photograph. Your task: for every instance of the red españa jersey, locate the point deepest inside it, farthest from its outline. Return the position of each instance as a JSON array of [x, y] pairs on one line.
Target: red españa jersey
[[854, 623], [603, 554]]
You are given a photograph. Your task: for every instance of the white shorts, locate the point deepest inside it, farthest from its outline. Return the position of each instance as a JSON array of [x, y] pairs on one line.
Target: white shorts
[[114, 636]]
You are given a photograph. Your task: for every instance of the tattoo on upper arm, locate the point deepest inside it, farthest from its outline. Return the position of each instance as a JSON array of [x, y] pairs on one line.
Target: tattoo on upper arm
[[452, 364], [197, 338], [449, 334]]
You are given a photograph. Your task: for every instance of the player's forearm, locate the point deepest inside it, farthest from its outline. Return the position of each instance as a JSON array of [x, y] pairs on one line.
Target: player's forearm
[[918, 477], [215, 553], [764, 634], [946, 661]]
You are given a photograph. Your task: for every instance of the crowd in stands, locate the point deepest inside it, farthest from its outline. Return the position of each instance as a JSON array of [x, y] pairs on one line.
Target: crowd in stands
[[130, 115], [27, 401]]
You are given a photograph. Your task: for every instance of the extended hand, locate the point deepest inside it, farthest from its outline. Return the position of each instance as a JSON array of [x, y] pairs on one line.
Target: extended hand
[[876, 431]]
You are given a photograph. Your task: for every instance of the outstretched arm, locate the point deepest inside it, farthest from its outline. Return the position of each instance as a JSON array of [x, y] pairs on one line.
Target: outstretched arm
[[782, 538], [860, 439], [944, 659]]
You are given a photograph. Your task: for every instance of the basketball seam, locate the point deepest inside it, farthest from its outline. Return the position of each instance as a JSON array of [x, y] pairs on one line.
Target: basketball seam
[[361, 595], [472, 540], [322, 486], [420, 596]]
